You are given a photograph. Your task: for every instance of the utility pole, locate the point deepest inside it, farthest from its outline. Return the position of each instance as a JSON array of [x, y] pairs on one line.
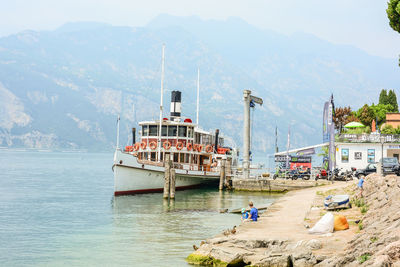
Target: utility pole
[[247, 97]]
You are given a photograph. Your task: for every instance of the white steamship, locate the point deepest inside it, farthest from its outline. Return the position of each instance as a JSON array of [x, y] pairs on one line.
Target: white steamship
[[194, 152]]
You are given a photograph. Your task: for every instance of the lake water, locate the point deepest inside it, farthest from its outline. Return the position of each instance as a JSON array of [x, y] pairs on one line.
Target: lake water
[[58, 209]]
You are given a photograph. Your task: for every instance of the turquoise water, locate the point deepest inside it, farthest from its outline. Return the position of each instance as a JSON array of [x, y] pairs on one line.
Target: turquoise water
[[58, 209]]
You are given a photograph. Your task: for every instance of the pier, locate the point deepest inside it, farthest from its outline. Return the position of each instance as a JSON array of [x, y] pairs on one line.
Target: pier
[[274, 186]]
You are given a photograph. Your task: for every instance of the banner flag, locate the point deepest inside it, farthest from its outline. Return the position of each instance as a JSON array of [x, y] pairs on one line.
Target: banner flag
[[325, 134], [331, 129]]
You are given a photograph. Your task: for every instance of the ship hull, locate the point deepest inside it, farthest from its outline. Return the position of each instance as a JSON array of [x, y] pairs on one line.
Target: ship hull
[[132, 177]]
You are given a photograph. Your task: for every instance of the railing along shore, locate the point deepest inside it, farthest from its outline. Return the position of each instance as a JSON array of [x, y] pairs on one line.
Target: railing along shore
[[367, 138]]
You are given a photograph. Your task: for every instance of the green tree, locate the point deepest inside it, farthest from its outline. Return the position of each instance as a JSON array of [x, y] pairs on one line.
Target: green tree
[[393, 12], [392, 100], [365, 114], [380, 111], [383, 97]]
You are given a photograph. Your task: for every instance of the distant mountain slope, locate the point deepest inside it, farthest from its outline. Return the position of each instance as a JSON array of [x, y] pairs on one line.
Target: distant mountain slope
[[65, 88]]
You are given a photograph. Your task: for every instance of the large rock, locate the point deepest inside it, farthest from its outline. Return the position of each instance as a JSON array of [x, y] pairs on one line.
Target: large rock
[[229, 255], [378, 243]]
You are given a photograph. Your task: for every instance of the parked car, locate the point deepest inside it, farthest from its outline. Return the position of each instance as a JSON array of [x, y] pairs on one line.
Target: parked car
[[371, 167], [390, 165]]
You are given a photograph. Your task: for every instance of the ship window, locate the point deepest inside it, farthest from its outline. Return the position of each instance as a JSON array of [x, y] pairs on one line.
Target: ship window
[[197, 138], [176, 157], [171, 130], [182, 131], [205, 139], [153, 156], [153, 130], [221, 141], [182, 157], [145, 130], [190, 132], [164, 130]]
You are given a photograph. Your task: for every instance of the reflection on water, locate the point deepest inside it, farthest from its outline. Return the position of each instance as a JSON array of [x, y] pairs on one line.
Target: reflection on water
[[169, 229], [58, 209]]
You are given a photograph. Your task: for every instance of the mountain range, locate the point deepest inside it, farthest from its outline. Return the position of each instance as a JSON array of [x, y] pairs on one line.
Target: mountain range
[[64, 89]]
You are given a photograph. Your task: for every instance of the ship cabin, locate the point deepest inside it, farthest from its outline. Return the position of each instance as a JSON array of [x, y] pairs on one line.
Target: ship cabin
[[189, 147]]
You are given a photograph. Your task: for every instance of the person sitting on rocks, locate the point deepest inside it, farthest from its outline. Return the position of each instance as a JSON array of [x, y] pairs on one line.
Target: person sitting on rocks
[[245, 215], [360, 185], [253, 212]]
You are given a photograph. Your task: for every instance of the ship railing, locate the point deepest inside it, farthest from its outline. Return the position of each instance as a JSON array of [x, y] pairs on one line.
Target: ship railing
[[268, 173], [181, 166], [150, 162]]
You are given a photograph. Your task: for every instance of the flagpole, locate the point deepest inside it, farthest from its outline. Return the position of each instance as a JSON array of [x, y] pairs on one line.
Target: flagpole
[[118, 131], [198, 96], [161, 102], [287, 152]]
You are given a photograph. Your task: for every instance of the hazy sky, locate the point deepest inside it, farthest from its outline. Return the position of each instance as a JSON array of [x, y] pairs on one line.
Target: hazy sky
[[362, 23]]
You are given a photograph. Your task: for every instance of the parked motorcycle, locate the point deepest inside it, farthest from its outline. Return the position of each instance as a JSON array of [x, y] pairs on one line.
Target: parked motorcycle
[[304, 174], [323, 174], [281, 173], [339, 175]]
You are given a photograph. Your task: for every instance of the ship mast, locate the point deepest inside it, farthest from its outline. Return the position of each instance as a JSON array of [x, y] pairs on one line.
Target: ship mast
[[198, 95], [161, 104]]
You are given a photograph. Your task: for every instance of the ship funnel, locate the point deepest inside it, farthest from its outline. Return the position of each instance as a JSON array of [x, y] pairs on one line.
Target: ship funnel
[[175, 105]]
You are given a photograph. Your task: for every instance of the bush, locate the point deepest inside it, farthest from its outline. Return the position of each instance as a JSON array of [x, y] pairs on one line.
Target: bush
[[363, 258], [388, 129], [373, 239], [359, 202], [364, 209]]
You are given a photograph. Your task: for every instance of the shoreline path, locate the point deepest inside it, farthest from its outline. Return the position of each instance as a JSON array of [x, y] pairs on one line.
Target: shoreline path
[[284, 219], [283, 227]]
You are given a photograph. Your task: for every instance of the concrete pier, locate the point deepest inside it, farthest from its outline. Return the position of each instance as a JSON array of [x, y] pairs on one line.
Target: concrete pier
[[276, 186]]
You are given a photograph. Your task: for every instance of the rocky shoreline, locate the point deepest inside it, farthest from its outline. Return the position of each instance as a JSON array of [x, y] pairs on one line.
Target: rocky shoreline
[[280, 238]]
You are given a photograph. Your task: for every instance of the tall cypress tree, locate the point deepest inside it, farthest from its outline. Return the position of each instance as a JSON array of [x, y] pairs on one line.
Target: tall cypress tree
[[393, 12], [383, 97], [392, 99]]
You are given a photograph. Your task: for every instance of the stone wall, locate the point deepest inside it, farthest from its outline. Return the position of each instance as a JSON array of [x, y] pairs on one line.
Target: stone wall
[[278, 185]]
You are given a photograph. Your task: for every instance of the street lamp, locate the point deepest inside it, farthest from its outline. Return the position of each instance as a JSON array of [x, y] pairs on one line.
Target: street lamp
[[382, 140]]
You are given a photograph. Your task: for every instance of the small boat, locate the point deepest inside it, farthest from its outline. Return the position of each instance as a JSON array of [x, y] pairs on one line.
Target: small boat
[[337, 202], [264, 207]]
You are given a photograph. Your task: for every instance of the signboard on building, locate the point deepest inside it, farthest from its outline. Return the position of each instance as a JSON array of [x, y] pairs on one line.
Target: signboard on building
[[300, 162], [358, 155]]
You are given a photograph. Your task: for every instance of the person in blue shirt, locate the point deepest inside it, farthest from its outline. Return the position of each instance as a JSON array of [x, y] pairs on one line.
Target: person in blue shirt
[[253, 212], [360, 185], [245, 215]]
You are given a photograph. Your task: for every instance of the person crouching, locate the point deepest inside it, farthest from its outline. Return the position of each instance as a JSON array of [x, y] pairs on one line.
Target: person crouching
[[253, 212]]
